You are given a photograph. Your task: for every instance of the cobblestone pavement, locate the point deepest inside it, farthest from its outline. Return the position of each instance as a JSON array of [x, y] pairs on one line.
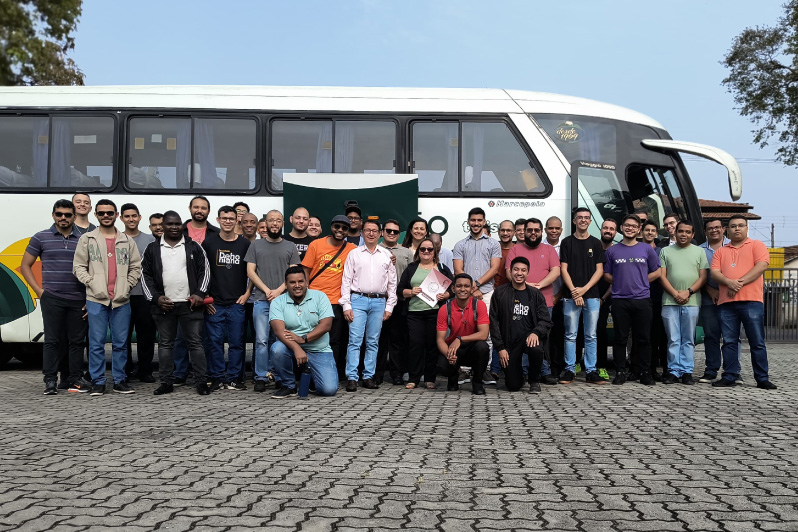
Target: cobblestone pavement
[[577, 457]]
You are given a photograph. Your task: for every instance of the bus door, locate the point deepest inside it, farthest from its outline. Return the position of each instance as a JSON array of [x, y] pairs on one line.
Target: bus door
[[599, 188]]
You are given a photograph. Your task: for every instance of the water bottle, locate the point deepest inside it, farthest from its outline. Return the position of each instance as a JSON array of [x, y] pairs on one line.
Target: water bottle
[[304, 382]]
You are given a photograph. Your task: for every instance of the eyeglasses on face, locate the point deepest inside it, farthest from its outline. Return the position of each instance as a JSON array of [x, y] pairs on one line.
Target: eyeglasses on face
[[631, 226], [354, 218], [227, 219], [59, 214], [371, 231], [426, 250]]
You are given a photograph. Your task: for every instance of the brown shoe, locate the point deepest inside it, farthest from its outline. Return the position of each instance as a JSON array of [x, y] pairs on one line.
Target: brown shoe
[[369, 384], [351, 386]]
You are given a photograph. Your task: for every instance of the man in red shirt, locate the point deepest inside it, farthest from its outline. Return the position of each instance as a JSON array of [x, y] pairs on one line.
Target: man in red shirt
[[461, 337]]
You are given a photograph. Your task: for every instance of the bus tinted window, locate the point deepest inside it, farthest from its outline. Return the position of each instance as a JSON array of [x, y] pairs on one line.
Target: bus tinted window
[[82, 153], [24, 151], [224, 153], [159, 152], [435, 154], [582, 137], [365, 147], [493, 161]]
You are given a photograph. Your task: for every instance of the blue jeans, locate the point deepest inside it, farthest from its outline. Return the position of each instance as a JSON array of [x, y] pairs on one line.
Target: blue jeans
[[100, 318], [322, 368], [751, 315], [710, 321], [590, 315], [229, 320], [260, 315], [680, 322], [368, 320]]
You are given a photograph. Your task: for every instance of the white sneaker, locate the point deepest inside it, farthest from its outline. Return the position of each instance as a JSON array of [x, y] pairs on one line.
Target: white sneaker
[[464, 377], [488, 378]]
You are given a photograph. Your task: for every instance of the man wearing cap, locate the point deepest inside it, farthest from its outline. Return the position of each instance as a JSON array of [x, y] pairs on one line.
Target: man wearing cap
[[324, 266]]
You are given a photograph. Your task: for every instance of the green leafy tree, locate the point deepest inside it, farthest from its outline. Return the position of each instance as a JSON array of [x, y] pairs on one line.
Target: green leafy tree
[[35, 37]]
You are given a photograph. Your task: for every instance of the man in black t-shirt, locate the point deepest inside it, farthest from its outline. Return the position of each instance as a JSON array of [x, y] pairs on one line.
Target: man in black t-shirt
[[226, 315], [582, 266], [299, 231], [519, 324]]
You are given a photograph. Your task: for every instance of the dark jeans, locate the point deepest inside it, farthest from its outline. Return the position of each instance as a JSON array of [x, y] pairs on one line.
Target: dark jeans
[[514, 372], [658, 341], [339, 340], [141, 320], [190, 322], [63, 322], [601, 334], [472, 354], [556, 339], [422, 354], [751, 315], [393, 346], [635, 315]]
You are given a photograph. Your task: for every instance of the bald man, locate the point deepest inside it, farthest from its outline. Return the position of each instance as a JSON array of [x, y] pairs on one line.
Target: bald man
[[299, 230]]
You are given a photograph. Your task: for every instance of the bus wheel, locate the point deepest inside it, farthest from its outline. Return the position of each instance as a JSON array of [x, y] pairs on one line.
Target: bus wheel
[[31, 355]]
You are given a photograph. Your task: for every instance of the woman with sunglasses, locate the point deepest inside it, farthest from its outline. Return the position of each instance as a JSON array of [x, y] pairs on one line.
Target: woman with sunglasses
[[416, 230], [421, 319]]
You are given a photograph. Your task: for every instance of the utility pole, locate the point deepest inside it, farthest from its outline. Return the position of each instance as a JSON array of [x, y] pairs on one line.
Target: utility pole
[[772, 235]]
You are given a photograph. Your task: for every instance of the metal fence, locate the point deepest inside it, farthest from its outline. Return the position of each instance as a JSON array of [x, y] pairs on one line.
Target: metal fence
[[781, 305]]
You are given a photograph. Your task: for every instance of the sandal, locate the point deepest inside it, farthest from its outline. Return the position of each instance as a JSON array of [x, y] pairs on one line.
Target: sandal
[[430, 385], [410, 385]]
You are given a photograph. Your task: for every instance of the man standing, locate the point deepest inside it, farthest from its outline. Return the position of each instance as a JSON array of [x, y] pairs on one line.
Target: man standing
[[267, 260], [140, 316], [444, 254], [631, 266], [669, 223], [368, 297], [609, 228], [355, 216], [249, 226], [82, 203], [108, 263], [225, 317], [156, 225], [61, 296], [462, 333], [324, 267], [393, 337], [301, 319], [241, 209], [520, 230], [738, 267], [710, 321], [519, 324], [198, 227], [506, 232], [176, 276], [582, 259], [299, 231], [556, 341]]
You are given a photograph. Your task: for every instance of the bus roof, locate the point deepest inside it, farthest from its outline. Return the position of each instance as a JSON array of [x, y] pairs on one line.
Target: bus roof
[[346, 99]]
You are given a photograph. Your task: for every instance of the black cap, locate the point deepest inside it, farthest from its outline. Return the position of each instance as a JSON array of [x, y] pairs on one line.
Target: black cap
[[340, 219]]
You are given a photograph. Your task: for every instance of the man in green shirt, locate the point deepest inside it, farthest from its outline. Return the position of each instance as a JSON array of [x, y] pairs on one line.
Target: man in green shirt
[[684, 272]]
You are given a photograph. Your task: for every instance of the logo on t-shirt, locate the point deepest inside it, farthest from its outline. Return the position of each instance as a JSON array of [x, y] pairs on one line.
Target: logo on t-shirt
[[334, 267], [519, 310], [226, 258]]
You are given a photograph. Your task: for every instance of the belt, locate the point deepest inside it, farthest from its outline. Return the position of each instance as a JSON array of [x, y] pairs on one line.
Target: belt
[[372, 296]]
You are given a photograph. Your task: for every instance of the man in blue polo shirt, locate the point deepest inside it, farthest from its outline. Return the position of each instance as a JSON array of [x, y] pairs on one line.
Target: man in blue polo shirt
[[61, 296], [301, 319]]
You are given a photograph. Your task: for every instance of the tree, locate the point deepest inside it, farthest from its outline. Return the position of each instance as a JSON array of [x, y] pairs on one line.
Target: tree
[[35, 36], [763, 78]]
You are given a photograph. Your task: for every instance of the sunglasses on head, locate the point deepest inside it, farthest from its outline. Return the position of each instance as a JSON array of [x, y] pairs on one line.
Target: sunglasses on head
[[426, 250]]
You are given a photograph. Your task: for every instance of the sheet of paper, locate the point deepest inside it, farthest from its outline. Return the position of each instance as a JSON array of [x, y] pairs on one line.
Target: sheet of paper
[[434, 284]]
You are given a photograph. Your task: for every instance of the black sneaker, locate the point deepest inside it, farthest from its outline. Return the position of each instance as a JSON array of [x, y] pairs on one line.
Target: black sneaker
[[164, 388], [550, 380], [687, 379], [657, 376], [594, 378], [123, 387], [260, 386], [203, 389], [50, 388], [534, 387], [97, 389], [282, 393], [620, 378], [766, 385], [146, 378], [633, 376], [63, 384], [707, 378], [216, 385], [669, 378], [477, 388], [566, 377], [724, 383], [236, 385], [80, 386], [179, 382], [647, 380]]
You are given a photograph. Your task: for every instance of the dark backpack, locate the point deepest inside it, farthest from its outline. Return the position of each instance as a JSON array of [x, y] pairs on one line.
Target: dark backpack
[[449, 312]]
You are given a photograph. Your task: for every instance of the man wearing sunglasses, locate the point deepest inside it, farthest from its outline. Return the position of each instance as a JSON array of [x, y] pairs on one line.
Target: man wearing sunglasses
[[61, 297], [108, 263]]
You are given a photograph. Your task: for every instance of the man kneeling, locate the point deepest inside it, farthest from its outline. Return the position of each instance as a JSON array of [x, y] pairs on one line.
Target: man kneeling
[[519, 323], [301, 319], [466, 320]]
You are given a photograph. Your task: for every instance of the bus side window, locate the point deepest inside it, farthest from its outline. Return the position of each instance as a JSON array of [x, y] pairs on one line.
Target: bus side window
[[435, 155], [24, 151], [82, 152], [494, 161]]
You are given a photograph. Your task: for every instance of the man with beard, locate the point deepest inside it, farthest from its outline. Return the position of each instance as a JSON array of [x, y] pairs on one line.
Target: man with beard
[[299, 230], [609, 229], [156, 224], [324, 267], [582, 258], [198, 227], [267, 259]]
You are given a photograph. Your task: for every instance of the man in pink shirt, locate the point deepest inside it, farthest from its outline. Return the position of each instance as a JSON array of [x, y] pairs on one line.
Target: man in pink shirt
[[368, 296], [544, 264]]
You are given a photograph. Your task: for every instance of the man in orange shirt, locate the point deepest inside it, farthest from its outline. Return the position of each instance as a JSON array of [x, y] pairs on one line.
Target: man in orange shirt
[[324, 267], [738, 267]]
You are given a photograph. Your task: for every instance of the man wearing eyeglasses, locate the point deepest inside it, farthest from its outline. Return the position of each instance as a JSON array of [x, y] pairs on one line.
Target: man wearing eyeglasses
[[108, 263], [368, 297], [61, 296], [355, 216]]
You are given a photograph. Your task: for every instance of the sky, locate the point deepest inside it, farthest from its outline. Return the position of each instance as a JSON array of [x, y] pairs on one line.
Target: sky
[[658, 58]]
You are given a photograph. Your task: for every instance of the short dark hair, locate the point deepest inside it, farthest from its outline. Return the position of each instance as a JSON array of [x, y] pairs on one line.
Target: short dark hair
[[685, 222], [171, 214], [293, 270], [738, 217], [64, 204], [240, 204], [650, 222], [391, 221], [613, 220], [225, 208], [203, 198], [534, 221], [520, 221], [713, 219], [105, 201], [372, 221], [156, 215], [634, 218], [671, 215], [522, 260], [463, 276], [641, 211], [476, 210], [582, 209], [129, 207]]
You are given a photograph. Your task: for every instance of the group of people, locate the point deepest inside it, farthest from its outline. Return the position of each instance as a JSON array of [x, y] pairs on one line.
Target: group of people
[[357, 303]]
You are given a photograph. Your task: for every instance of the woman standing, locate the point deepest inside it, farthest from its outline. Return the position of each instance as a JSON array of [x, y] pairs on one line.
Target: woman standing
[[421, 318], [416, 230]]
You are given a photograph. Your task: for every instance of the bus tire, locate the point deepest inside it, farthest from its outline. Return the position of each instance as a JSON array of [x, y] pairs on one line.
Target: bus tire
[[31, 355]]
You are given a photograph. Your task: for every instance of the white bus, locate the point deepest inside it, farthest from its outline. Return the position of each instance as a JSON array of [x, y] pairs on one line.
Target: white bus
[[513, 153]]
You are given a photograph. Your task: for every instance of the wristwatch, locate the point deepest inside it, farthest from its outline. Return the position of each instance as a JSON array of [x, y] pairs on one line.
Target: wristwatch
[[690, 291], [478, 284], [461, 340], [304, 338]]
